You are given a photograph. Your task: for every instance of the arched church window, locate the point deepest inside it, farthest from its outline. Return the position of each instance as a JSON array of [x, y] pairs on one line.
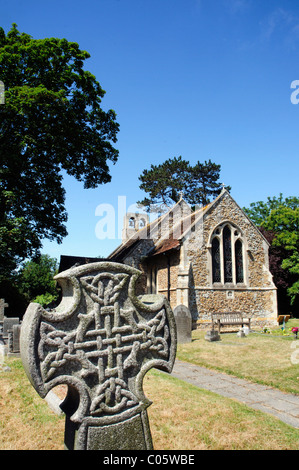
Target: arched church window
[[216, 260], [239, 261], [227, 255], [131, 222]]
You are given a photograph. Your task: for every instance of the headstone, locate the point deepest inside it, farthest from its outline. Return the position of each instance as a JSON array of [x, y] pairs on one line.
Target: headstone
[[14, 340], [9, 341], [100, 341], [183, 322], [212, 335], [3, 305], [8, 324]]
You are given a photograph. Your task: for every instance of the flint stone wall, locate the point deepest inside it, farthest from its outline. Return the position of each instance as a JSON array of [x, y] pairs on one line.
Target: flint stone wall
[[258, 297], [189, 281]]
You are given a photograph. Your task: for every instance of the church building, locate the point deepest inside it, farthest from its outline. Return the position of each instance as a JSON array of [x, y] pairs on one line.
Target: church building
[[213, 259]]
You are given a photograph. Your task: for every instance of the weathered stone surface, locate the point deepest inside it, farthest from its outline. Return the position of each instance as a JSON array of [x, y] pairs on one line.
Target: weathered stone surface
[[212, 335], [8, 324], [3, 305], [183, 321], [14, 339], [184, 273], [100, 341], [257, 298]]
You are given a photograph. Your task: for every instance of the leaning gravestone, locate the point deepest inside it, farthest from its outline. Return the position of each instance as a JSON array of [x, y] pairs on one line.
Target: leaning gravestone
[[100, 341], [14, 340], [8, 324], [183, 322]]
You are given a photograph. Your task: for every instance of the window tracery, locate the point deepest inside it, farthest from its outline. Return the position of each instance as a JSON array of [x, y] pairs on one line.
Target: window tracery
[[227, 255]]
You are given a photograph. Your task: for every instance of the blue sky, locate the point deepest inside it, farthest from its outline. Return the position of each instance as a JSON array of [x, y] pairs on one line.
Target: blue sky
[[197, 78]]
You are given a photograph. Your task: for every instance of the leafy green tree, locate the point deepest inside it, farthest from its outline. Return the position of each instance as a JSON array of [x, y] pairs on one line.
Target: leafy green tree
[[282, 278], [284, 221], [163, 183], [17, 239], [35, 279], [52, 122], [280, 217], [259, 211], [45, 299]]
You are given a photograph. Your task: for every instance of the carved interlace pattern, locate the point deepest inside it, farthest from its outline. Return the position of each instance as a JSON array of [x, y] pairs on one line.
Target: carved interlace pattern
[[105, 346]]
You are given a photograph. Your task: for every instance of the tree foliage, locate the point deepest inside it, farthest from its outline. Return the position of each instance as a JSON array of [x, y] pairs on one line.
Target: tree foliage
[[281, 277], [280, 217], [163, 183], [260, 211], [284, 221], [36, 278], [52, 121]]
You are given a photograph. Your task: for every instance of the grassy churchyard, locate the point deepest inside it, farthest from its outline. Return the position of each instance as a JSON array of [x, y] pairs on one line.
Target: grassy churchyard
[[270, 358], [210, 421]]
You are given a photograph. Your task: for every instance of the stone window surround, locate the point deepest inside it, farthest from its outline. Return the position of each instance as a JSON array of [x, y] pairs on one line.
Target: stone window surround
[[220, 227], [152, 280]]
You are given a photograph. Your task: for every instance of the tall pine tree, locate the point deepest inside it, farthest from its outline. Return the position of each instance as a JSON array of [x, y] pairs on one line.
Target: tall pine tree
[[163, 183]]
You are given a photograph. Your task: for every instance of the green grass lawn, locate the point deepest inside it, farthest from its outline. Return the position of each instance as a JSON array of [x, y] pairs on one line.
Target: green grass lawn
[[26, 422], [270, 359], [182, 417], [185, 417]]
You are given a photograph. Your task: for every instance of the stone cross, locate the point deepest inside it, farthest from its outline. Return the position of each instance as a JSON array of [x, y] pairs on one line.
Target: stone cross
[[3, 305], [100, 341]]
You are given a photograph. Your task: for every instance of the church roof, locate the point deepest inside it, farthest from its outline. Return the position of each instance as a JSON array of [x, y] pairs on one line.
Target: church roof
[[171, 240], [67, 262], [165, 242], [177, 231], [164, 246]]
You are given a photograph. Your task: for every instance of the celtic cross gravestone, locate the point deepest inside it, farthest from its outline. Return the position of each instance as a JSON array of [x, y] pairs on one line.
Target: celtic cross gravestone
[[100, 341]]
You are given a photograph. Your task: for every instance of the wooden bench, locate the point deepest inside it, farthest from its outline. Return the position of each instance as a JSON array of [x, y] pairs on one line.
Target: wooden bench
[[229, 319]]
